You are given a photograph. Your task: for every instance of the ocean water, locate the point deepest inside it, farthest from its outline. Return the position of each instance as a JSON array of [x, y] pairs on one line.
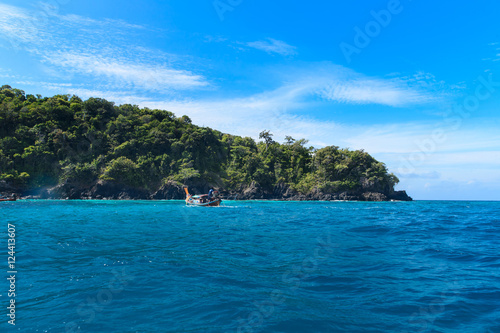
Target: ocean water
[[253, 266]]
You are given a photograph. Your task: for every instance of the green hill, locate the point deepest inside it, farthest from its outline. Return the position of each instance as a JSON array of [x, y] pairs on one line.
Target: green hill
[[62, 146]]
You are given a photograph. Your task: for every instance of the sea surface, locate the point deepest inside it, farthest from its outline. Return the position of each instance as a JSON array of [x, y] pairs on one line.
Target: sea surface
[[253, 266]]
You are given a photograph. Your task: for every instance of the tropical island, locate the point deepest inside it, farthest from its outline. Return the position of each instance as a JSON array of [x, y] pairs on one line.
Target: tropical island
[[62, 147]]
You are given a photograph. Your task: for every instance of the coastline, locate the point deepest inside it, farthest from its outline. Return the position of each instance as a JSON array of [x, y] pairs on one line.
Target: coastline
[[106, 190]]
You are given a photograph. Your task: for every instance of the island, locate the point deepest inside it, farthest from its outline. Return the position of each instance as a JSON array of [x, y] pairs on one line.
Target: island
[[62, 147]]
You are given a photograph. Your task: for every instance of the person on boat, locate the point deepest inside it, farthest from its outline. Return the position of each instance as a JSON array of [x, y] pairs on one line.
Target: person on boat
[[210, 193]]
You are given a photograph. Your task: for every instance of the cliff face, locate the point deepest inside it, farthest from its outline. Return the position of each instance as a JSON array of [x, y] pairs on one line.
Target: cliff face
[[283, 192], [174, 191]]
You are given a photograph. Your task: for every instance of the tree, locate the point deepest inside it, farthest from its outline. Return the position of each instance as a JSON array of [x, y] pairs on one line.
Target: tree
[[268, 138], [122, 170]]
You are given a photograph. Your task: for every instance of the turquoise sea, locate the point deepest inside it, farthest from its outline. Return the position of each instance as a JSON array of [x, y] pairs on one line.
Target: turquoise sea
[[253, 266]]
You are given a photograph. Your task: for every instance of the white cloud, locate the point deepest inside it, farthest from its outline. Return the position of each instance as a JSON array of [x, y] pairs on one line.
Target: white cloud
[[81, 20], [369, 91], [495, 56], [16, 26], [76, 45], [430, 137], [73, 44], [273, 109], [490, 158], [44, 10], [343, 85], [424, 175], [274, 46], [140, 75]]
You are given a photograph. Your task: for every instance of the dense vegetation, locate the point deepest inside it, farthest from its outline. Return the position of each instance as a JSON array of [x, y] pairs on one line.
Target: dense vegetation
[[49, 140]]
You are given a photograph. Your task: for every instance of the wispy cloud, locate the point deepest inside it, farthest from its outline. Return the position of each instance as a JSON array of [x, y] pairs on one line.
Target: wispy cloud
[[99, 50], [496, 56], [342, 85], [77, 19], [52, 9], [139, 75], [76, 45], [17, 26], [274, 109], [277, 109], [368, 91], [424, 175], [273, 46]]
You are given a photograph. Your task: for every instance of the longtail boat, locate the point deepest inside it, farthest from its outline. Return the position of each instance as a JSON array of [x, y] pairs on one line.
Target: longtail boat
[[201, 200], [8, 199]]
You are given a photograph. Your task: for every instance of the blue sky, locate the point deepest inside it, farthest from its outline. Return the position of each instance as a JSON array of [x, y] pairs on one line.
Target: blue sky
[[414, 83]]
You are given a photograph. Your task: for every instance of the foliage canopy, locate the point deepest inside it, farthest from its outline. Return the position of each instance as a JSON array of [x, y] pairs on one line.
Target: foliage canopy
[[49, 140]]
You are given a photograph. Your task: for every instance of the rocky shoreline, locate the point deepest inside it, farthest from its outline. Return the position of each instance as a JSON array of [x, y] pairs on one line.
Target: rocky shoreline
[[106, 190]]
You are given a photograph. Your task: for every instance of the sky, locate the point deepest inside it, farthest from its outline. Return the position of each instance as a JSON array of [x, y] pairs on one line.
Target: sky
[[415, 83]]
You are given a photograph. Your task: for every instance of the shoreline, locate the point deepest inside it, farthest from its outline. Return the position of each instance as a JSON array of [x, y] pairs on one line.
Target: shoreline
[[223, 200], [107, 190], [253, 200]]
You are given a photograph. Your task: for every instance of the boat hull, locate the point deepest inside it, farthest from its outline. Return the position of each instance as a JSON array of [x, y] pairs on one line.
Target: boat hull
[[196, 202], [201, 200]]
